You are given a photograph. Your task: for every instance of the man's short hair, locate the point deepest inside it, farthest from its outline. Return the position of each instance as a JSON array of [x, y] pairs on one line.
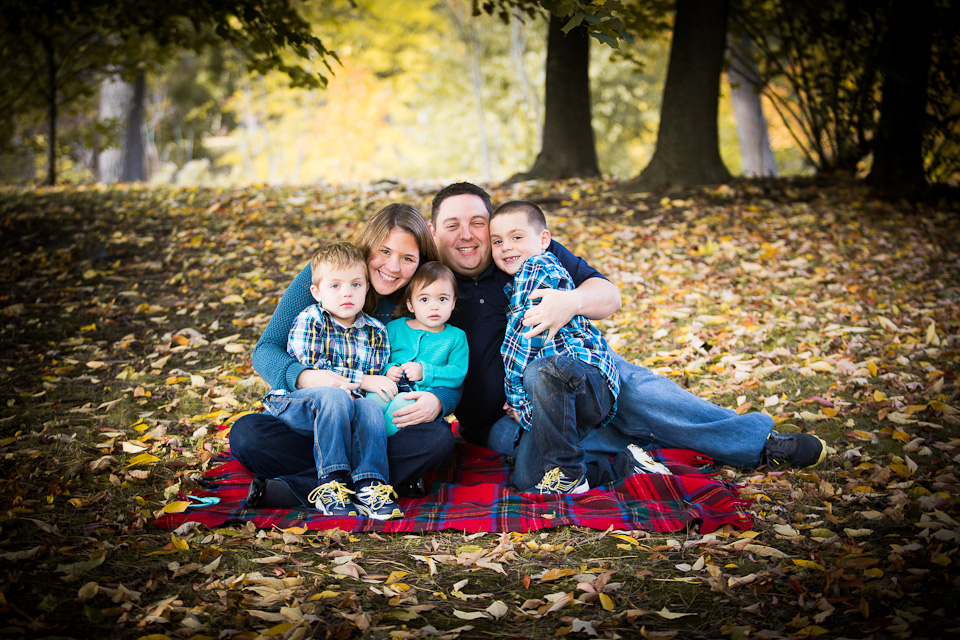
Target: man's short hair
[[535, 217], [336, 255], [458, 189]]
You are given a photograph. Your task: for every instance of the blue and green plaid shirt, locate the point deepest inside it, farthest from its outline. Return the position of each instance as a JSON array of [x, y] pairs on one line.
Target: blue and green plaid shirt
[[577, 339], [319, 341]]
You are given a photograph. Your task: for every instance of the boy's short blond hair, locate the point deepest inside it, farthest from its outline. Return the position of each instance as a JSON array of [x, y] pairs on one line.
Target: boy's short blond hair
[[337, 255]]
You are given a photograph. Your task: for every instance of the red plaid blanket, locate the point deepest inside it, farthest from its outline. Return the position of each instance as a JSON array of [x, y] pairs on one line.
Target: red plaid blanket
[[473, 494]]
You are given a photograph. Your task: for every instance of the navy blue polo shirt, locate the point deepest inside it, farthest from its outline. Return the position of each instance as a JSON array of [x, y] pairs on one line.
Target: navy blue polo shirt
[[481, 311]]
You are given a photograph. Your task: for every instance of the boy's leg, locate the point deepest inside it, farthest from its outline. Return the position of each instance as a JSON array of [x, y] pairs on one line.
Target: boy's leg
[[564, 393], [652, 409], [368, 442]]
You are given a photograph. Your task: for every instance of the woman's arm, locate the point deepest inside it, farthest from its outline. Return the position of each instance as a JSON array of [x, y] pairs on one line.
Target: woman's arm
[[270, 357]]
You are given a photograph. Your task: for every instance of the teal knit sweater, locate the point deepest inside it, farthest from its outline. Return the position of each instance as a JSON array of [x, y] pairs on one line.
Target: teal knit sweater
[[443, 355], [280, 370]]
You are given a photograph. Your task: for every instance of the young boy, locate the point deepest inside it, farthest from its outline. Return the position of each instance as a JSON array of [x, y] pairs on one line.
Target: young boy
[[349, 438], [576, 360]]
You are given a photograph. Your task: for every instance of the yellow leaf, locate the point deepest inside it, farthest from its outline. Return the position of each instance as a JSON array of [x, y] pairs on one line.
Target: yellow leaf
[[931, 337], [812, 631], [89, 327], [143, 458], [620, 536], [606, 602], [396, 576], [874, 572], [749, 534], [879, 396], [232, 299], [178, 506], [556, 574], [96, 364], [178, 543], [196, 380], [809, 563], [872, 366], [822, 366]]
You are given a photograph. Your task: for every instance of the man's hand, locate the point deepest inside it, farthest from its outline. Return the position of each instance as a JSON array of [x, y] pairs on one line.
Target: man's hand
[[414, 371], [554, 310], [394, 373], [324, 378], [427, 408], [511, 412], [380, 385]]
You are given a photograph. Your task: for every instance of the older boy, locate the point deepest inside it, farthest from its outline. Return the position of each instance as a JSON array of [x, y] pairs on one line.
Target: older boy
[[349, 438], [549, 457]]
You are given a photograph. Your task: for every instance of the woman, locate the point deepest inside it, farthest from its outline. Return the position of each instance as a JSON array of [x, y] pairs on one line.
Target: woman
[[396, 240]]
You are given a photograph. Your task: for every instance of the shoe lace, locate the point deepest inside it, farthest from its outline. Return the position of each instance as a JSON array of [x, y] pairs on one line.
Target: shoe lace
[[554, 481], [376, 496], [333, 491], [778, 449]]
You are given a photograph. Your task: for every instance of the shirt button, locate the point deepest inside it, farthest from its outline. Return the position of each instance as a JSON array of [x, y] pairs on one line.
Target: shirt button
[[481, 300]]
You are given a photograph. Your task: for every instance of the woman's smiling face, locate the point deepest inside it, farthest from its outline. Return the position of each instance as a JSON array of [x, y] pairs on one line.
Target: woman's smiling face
[[394, 262]]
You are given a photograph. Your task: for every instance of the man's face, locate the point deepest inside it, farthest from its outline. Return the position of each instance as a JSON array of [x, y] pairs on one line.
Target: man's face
[[462, 234], [514, 240]]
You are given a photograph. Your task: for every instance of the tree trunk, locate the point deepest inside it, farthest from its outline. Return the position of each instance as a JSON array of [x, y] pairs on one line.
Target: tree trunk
[[123, 101], [897, 149], [568, 149], [51, 113], [756, 157], [688, 151]]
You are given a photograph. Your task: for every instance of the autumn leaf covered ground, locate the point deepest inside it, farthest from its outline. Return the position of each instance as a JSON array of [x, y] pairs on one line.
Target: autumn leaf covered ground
[[127, 319]]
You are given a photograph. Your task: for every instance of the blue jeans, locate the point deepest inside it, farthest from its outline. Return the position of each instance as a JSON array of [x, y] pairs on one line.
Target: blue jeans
[[348, 434], [268, 448], [569, 399], [653, 411]]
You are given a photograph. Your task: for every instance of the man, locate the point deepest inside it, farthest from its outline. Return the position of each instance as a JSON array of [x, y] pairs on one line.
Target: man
[[651, 408]]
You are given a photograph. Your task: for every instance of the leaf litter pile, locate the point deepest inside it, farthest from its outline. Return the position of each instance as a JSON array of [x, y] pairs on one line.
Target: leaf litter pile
[[128, 317]]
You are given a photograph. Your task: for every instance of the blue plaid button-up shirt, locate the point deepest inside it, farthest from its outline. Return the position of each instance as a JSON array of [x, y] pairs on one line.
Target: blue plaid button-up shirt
[[319, 341], [577, 339]]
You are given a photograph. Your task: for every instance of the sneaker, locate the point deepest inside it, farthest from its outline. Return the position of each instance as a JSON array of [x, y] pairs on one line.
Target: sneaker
[[643, 463], [374, 501], [556, 481], [333, 499], [795, 449]]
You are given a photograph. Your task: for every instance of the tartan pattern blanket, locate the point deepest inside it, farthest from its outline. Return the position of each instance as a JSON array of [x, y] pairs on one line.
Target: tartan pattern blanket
[[473, 494]]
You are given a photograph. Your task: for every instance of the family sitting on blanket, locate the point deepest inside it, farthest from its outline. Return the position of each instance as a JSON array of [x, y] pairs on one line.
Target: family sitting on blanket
[[650, 408]]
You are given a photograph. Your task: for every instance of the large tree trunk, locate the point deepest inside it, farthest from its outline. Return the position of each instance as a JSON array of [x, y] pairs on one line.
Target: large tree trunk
[[568, 149], [688, 151], [756, 157], [897, 148], [123, 101]]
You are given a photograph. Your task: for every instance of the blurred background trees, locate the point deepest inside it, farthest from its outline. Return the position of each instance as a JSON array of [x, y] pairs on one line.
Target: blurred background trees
[[341, 91]]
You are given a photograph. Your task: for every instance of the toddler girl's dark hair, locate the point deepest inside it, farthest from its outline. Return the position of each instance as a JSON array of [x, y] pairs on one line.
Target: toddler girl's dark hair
[[427, 274]]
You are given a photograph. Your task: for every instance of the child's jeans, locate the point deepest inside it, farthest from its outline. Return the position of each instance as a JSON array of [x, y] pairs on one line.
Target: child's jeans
[[398, 402], [348, 433], [569, 393]]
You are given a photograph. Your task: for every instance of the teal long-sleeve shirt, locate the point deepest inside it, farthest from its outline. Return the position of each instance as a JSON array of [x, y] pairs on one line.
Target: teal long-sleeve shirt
[[280, 370], [443, 355]]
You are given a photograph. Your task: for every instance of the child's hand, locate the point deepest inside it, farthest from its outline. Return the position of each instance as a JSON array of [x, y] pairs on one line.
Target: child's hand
[[394, 373], [380, 385], [414, 371], [309, 378], [511, 412]]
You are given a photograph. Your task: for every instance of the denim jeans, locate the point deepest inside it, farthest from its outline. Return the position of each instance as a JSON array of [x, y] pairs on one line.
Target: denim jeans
[[268, 448], [653, 411], [568, 399], [348, 434]]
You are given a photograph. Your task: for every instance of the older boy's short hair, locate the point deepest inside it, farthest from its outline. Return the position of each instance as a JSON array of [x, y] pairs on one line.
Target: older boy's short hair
[[337, 255], [534, 214]]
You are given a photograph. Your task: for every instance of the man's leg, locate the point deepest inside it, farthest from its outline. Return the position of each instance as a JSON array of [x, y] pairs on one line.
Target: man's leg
[[654, 410], [368, 442]]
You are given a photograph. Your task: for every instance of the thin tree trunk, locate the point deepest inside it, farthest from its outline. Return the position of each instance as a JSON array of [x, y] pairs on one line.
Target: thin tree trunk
[[471, 40], [568, 147], [123, 101], [133, 141], [755, 153], [688, 150], [52, 113]]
